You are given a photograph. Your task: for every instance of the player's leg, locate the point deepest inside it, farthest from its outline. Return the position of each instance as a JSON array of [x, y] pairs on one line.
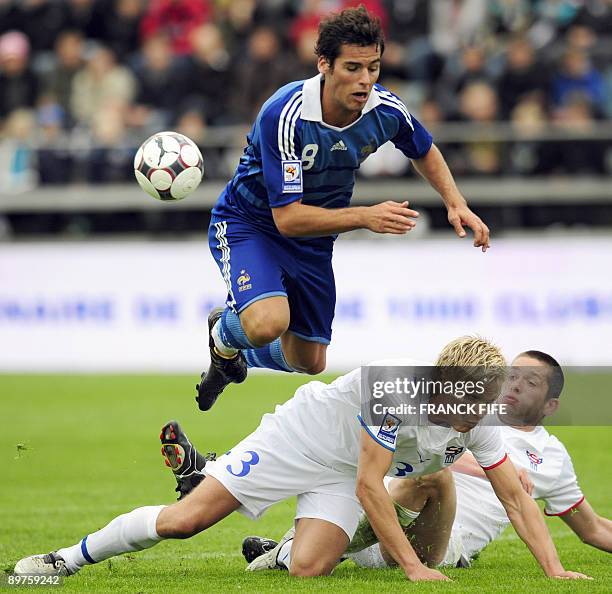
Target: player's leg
[[256, 311], [316, 549], [435, 498], [303, 355], [325, 523], [139, 529], [312, 300]]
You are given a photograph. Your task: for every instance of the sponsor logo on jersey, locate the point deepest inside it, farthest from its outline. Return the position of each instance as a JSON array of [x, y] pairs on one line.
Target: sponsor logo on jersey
[[534, 460], [451, 453], [339, 146], [388, 429], [243, 281], [292, 176]]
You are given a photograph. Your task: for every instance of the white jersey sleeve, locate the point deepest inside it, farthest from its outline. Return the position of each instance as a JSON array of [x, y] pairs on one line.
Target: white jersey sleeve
[[487, 445], [564, 494], [385, 434]]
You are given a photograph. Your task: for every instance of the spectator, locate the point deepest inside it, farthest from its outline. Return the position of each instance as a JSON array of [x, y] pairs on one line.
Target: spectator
[[468, 67], [479, 104], [55, 160], [69, 51], [260, 72], [575, 118], [456, 23], [111, 158], [528, 119], [510, 16], [306, 65], [577, 75], [177, 19], [17, 169], [207, 76], [18, 84], [237, 20], [521, 75], [101, 84], [121, 27], [159, 86], [86, 16], [41, 21]]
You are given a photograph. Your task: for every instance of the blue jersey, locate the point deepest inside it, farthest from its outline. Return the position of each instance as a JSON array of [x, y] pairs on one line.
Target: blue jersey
[[293, 155]]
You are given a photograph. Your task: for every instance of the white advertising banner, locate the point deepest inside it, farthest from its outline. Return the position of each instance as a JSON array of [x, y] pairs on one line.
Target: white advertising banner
[[142, 306]]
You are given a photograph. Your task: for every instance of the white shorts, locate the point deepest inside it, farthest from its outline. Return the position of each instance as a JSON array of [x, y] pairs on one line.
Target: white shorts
[[266, 467]]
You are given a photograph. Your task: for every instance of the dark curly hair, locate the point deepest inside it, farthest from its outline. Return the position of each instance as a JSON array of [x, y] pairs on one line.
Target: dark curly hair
[[353, 26]]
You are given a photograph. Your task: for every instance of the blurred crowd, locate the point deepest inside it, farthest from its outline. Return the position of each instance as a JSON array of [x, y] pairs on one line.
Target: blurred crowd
[[83, 82]]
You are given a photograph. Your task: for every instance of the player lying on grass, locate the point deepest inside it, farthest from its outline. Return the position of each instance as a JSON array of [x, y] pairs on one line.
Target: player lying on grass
[[273, 228], [314, 447], [531, 393]]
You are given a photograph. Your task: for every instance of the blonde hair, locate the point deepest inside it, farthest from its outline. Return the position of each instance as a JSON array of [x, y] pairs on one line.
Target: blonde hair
[[471, 351]]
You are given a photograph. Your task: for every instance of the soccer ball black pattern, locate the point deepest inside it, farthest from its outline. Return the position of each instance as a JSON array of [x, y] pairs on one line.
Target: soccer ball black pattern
[[168, 166]]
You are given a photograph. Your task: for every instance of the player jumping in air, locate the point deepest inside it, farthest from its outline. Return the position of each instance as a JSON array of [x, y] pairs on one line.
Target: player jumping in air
[[273, 228], [315, 447], [544, 466]]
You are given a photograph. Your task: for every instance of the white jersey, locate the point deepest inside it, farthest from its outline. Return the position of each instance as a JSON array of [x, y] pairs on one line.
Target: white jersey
[[481, 518], [324, 422]]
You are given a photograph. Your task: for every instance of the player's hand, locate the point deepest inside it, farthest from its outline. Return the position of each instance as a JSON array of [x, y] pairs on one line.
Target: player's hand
[[458, 216], [425, 574], [390, 217], [571, 575], [525, 481]]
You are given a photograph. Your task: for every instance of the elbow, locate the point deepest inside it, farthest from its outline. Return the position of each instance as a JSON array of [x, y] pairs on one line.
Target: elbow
[[285, 226]]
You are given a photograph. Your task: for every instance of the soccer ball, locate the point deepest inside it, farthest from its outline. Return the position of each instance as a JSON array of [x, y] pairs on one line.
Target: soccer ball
[[168, 166]]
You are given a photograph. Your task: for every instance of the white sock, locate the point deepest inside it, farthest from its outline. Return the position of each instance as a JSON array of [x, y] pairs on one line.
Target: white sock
[[130, 532], [370, 557], [227, 351], [283, 558]]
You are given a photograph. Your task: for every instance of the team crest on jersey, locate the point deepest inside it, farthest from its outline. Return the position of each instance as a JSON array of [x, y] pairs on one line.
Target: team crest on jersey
[[534, 460], [368, 149], [388, 428], [292, 176], [451, 453], [243, 281]]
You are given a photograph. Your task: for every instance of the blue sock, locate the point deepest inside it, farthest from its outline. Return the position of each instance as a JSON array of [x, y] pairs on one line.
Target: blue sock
[[269, 356], [231, 332]]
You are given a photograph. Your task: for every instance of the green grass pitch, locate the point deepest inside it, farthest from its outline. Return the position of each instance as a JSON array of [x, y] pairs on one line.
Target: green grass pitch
[[75, 451]]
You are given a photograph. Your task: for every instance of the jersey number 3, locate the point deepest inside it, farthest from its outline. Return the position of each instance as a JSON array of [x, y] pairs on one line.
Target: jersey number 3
[[308, 156], [246, 464]]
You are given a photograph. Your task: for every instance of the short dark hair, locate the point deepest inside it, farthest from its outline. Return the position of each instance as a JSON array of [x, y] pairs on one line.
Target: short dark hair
[[556, 379], [352, 26]]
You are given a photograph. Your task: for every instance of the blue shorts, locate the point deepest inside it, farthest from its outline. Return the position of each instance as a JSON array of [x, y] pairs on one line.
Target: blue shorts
[[256, 264]]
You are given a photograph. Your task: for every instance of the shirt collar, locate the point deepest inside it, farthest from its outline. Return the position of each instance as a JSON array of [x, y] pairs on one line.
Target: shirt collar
[[311, 100]]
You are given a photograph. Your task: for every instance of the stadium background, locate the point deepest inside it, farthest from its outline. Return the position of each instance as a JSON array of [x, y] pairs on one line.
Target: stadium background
[[95, 276]]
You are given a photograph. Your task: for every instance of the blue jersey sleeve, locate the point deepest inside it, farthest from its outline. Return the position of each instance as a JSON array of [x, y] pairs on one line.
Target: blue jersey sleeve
[[281, 150], [412, 138]]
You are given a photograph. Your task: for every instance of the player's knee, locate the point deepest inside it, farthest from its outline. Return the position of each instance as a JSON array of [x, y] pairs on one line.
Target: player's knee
[[310, 567], [179, 526], [316, 368], [437, 482], [263, 329], [311, 363]]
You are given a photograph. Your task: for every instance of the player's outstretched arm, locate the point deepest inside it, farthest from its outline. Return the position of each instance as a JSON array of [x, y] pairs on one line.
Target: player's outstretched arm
[[589, 527], [434, 169], [302, 220], [374, 461], [525, 516]]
